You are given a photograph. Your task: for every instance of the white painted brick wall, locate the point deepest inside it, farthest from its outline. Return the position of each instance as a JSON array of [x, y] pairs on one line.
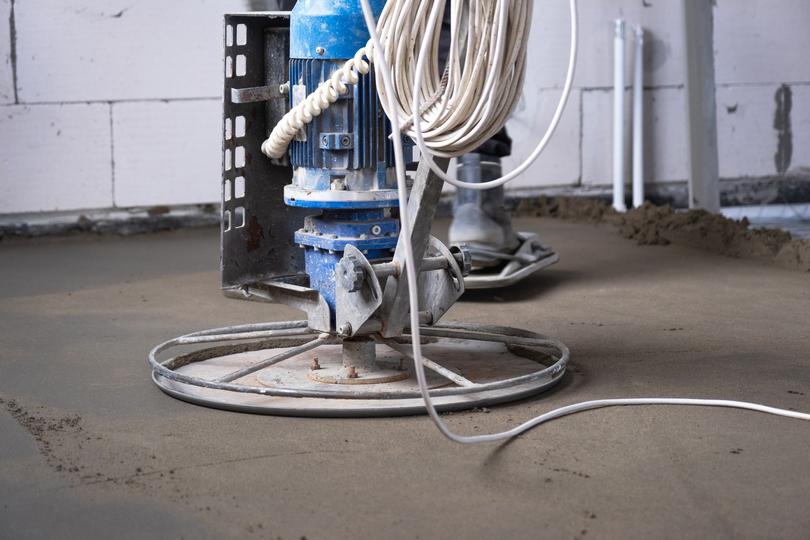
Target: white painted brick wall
[[103, 50], [548, 53], [760, 41], [157, 66], [663, 60], [167, 153], [55, 157], [746, 138], [597, 135], [559, 163], [6, 73], [664, 136]]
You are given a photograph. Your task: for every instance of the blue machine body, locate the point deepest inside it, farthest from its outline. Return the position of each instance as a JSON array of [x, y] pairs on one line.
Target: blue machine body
[[326, 236], [343, 161], [336, 26], [344, 149]]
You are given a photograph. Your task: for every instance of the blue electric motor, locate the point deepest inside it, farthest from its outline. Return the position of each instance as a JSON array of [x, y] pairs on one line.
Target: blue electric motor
[[343, 161]]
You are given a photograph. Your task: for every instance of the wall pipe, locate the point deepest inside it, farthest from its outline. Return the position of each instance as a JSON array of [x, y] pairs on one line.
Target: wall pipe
[[638, 119], [618, 117]]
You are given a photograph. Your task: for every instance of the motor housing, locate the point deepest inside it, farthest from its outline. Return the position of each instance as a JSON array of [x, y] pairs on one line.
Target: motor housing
[[343, 161]]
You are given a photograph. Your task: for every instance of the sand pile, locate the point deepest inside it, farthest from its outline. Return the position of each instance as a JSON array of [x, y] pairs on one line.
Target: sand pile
[[662, 225]]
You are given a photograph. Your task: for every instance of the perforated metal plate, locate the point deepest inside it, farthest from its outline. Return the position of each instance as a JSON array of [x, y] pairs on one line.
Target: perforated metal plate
[[257, 227]]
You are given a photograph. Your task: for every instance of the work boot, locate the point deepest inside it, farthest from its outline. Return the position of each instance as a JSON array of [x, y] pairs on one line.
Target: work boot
[[479, 217]]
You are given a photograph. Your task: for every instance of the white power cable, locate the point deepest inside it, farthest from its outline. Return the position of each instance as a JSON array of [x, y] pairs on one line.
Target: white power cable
[[474, 98], [464, 106], [541, 146], [384, 73], [461, 113]]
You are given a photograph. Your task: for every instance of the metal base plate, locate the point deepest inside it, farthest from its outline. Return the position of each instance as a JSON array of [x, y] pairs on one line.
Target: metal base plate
[[514, 270], [467, 366], [338, 375]]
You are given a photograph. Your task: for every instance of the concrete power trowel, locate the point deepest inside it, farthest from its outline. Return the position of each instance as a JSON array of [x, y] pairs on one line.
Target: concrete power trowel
[[318, 230]]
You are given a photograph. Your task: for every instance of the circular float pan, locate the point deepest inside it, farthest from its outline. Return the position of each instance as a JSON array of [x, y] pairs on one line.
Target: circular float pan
[[467, 365]]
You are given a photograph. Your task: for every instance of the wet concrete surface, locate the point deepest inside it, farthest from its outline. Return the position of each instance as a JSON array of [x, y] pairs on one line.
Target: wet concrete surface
[[90, 448]]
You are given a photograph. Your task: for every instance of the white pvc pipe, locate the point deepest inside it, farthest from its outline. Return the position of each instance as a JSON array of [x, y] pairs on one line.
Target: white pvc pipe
[[618, 117], [638, 120]]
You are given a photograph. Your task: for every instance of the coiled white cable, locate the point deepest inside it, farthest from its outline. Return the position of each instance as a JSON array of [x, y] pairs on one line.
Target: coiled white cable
[[465, 105], [541, 146], [384, 73], [486, 66]]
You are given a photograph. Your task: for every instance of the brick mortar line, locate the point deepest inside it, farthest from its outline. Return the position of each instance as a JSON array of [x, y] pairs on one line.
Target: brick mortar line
[[582, 89], [653, 88], [109, 101]]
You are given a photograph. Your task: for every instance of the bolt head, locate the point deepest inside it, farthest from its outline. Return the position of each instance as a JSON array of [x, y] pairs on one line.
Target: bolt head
[[376, 230]]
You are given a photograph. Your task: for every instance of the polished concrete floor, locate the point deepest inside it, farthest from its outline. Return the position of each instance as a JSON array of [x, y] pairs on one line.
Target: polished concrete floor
[[90, 448]]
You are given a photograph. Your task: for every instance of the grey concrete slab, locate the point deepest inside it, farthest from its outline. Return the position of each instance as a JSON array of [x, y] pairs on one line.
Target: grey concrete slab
[[90, 448]]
